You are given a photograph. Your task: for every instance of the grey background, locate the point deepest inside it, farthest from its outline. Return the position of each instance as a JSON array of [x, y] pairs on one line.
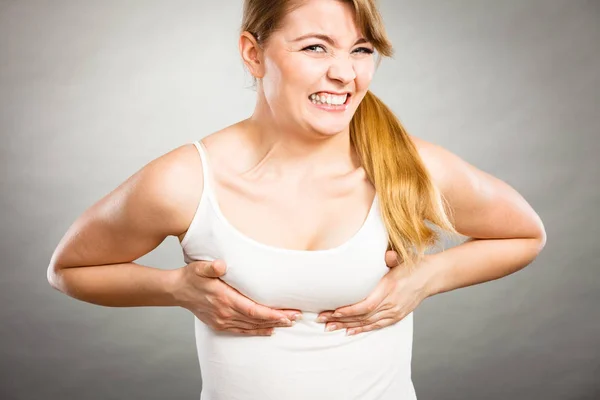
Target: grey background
[[90, 91]]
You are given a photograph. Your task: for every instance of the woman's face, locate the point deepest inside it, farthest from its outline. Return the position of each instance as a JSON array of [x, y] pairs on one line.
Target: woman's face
[[299, 66]]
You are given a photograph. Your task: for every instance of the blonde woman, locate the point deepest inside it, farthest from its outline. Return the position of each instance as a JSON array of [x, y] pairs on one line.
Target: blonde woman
[[291, 211]]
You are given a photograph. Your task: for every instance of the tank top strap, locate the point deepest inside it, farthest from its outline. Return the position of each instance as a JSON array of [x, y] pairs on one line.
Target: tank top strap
[[206, 172], [199, 235]]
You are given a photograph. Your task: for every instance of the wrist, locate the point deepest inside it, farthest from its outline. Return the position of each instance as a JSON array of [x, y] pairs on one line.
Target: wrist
[[429, 274], [173, 279]]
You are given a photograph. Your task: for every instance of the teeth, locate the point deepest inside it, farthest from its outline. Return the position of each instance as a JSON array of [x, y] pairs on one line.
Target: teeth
[[328, 99]]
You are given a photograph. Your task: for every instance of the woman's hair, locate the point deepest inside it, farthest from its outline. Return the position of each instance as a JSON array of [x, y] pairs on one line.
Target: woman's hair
[[406, 193]]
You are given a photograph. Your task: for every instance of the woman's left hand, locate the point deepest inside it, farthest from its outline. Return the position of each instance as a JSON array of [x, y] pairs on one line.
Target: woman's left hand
[[396, 295]]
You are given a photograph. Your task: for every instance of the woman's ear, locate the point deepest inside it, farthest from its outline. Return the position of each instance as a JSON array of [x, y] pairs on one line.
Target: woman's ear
[[251, 54]]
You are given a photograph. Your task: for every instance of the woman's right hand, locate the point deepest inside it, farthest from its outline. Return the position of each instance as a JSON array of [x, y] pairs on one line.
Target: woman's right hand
[[220, 306]]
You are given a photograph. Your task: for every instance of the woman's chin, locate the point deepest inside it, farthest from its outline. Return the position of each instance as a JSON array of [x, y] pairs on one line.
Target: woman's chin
[[329, 129]]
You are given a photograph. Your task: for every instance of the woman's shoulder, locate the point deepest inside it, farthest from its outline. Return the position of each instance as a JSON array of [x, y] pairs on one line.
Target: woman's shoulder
[[437, 160], [428, 152], [181, 172], [173, 184], [170, 186], [223, 143], [157, 201], [455, 177]]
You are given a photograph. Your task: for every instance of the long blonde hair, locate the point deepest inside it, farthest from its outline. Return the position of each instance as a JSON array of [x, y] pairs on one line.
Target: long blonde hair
[[406, 193]]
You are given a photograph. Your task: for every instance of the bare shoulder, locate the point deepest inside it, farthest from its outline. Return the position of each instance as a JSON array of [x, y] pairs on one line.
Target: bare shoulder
[[173, 185], [232, 139], [460, 182], [437, 161], [455, 177], [484, 206], [157, 201], [168, 188]]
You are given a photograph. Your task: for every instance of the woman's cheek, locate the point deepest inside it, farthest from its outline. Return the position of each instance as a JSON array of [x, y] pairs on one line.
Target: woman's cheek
[[307, 70], [364, 73]]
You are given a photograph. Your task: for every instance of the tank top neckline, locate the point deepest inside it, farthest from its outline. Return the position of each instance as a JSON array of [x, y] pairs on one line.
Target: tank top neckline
[[208, 190]]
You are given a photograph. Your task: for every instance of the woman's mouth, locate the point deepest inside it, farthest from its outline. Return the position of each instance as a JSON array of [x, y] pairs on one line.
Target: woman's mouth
[[330, 102]]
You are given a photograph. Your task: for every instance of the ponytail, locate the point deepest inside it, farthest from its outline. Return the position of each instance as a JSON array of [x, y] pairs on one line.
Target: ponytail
[[405, 190]]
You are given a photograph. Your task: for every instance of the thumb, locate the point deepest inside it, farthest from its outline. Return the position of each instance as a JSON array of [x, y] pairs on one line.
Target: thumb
[[211, 269], [391, 259]]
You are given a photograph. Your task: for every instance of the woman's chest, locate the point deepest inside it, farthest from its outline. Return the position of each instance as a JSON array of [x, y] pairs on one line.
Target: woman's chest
[[307, 280], [296, 217]]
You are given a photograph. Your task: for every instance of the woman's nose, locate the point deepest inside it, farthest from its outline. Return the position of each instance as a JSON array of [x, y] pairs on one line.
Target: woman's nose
[[342, 69]]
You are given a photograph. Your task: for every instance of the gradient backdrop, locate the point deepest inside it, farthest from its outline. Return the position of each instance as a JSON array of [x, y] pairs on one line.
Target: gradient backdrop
[[91, 91]]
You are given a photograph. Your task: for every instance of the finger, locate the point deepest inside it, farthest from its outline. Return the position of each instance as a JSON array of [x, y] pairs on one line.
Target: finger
[[245, 309], [382, 323], [252, 311], [252, 332], [245, 324], [348, 318], [391, 259], [324, 316], [291, 313], [210, 269], [363, 322], [359, 310], [284, 320]]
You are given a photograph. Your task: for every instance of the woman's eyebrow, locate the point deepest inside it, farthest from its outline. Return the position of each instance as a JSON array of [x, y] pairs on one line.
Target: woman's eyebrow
[[327, 38]]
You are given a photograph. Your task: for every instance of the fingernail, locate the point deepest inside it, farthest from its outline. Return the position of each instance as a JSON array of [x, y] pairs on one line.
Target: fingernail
[[349, 332], [296, 317], [285, 321], [322, 319], [330, 328]]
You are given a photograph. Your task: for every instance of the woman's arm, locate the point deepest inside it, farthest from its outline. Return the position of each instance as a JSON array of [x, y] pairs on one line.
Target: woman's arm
[[94, 260], [506, 234]]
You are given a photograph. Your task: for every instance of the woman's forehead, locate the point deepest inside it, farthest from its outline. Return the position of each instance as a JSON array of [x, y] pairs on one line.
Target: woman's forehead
[[340, 26], [323, 16]]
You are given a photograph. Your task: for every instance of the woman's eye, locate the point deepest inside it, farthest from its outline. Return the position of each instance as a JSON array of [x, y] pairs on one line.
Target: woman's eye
[[314, 46], [365, 50]]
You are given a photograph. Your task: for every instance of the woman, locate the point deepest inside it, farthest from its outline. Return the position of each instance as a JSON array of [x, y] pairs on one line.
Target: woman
[[295, 208]]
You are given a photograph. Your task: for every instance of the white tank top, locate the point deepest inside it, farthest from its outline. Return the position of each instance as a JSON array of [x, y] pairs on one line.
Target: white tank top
[[303, 361]]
